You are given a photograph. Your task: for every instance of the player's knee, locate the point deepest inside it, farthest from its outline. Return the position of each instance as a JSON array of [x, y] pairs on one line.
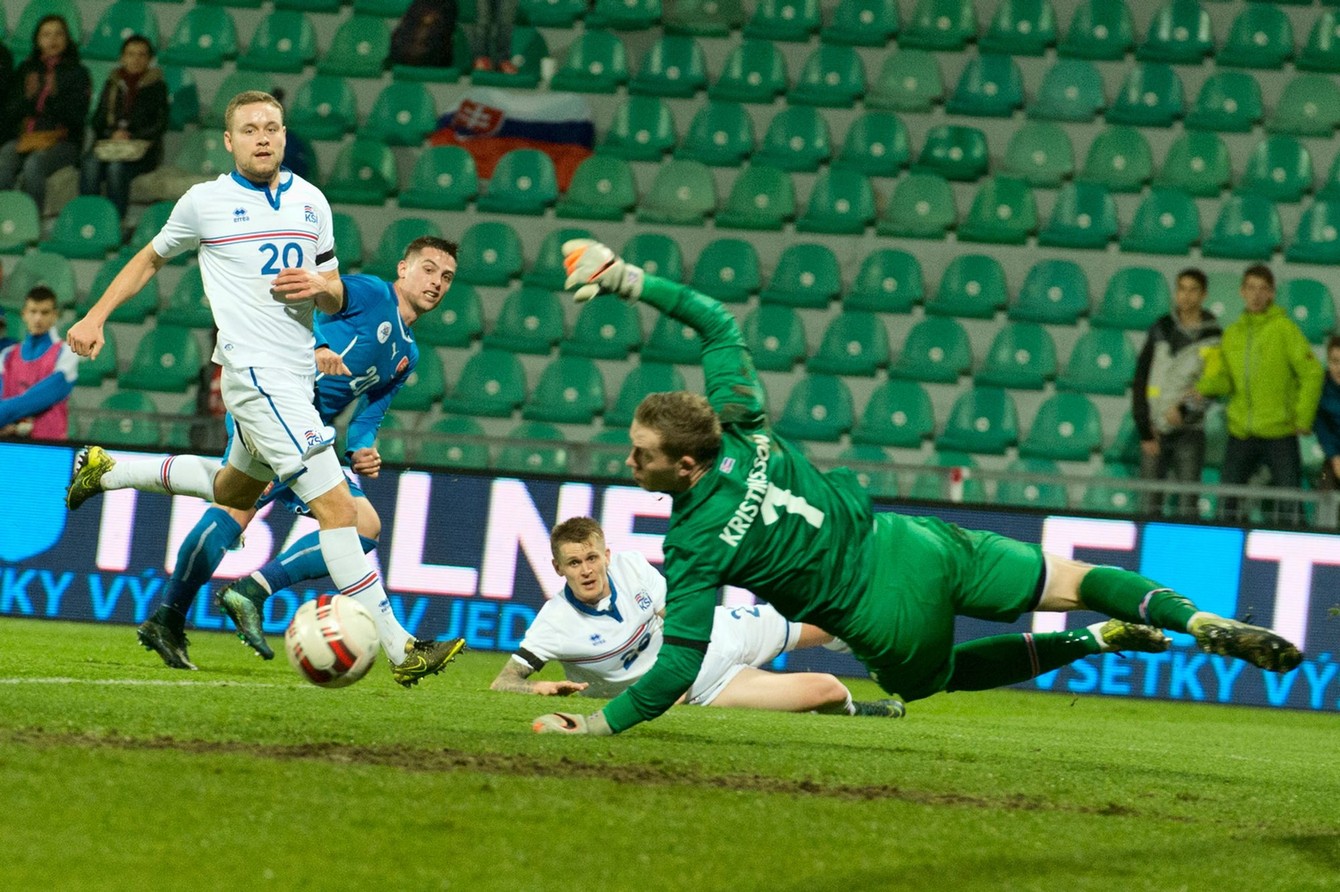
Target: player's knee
[[827, 690]]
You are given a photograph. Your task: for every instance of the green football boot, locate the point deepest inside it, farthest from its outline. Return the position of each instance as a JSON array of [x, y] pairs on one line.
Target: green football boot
[[243, 602], [426, 658], [1258, 646], [164, 633], [90, 464], [1121, 635], [883, 709]]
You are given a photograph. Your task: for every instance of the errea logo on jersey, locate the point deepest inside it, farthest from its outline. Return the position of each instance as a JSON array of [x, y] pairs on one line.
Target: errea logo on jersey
[[308, 213], [240, 215]]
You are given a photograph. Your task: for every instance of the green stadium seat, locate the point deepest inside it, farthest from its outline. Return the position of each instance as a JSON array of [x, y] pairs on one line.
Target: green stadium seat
[[1032, 493], [167, 359], [93, 371], [1125, 446], [1279, 167], [364, 173], [683, 194], [649, 377], [284, 41], [1020, 28], [624, 15], [1107, 496], [20, 222], [87, 227], [721, 134], [842, 201], [1166, 222], [762, 197], [936, 350], [940, 25], [530, 321], [1317, 239], [728, 269], [457, 321], [1004, 211], [1330, 188], [791, 21], [831, 77], [425, 386], [528, 48], [1309, 106], [1040, 152], [922, 206], [602, 188], [1180, 32], [1261, 36], [955, 152], [553, 13], [755, 72], [983, 420], [403, 114], [360, 48], [854, 343], [492, 383], [391, 245], [1099, 29], [548, 271], [972, 287], [1119, 158], [1067, 427], [1084, 216], [142, 305], [571, 390], [1149, 96], [1022, 356], [937, 486], [205, 37], [863, 23], [806, 275], [608, 451], [348, 239], [908, 81], [202, 153], [1134, 298], [522, 458], [658, 254], [1310, 304], [819, 407], [899, 413], [876, 143], [443, 179], [1224, 296], [1071, 90], [775, 335], [188, 305], [889, 281], [606, 328], [596, 62], [704, 18], [323, 107], [1322, 50], [1248, 228], [523, 182], [183, 96], [126, 420], [642, 129], [1055, 292], [674, 66], [879, 482], [1197, 163], [309, 5], [489, 254], [1216, 436], [991, 86], [797, 138], [1228, 102], [1102, 361], [41, 268], [392, 439], [122, 19], [387, 9]]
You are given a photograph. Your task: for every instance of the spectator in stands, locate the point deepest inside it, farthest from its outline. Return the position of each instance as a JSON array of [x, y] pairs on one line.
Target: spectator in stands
[[1169, 412], [48, 107], [37, 374], [493, 36], [424, 36], [8, 87], [1266, 369], [128, 125], [1327, 424]]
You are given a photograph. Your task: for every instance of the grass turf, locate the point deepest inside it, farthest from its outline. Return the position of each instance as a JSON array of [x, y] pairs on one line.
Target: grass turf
[[120, 774]]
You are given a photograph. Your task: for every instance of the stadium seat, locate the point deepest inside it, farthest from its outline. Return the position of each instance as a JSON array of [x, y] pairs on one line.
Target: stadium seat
[[284, 41], [936, 350], [348, 239], [492, 383], [87, 227], [646, 378], [530, 321], [806, 275], [1020, 28], [1040, 153], [528, 48], [983, 420], [908, 81], [1124, 449], [1004, 211], [458, 320], [879, 481], [92, 372], [364, 173], [1099, 29], [571, 390], [1228, 102], [1279, 167], [1330, 187], [1084, 216], [608, 449], [889, 281], [972, 287], [831, 77], [819, 407], [205, 37], [1197, 163], [1248, 228], [899, 413], [1180, 32], [1067, 427], [489, 254], [922, 206], [704, 18], [1149, 96], [523, 458], [657, 254], [642, 129], [443, 179], [548, 271], [188, 305], [762, 198], [1224, 296], [1322, 50], [167, 359], [842, 201], [388, 9], [1309, 106], [1102, 361], [854, 343], [1071, 90], [1310, 304], [403, 114], [1022, 356], [602, 188], [672, 341], [442, 447], [1317, 239], [1134, 298], [683, 194], [202, 153], [183, 96], [775, 335], [790, 21], [1119, 158], [1032, 493], [1107, 496], [991, 86], [624, 15], [606, 328], [1166, 222], [20, 223], [728, 269], [721, 134], [309, 5], [360, 48], [797, 138], [876, 143], [554, 13], [523, 182], [124, 421], [940, 25], [40, 268], [674, 66], [1261, 36], [142, 305], [323, 107], [954, 151], [391, 244], [938, 486], [1054, 292], [119, 21], [755, 72], [424, 386], [596, 62], [863, 23], [1216, 436]]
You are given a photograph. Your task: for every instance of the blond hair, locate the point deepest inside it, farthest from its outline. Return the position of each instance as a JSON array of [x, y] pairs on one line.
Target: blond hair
[[576, 531], [249, 97]]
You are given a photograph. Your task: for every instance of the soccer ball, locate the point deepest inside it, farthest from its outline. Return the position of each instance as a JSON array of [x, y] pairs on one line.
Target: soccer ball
[[332, 641]]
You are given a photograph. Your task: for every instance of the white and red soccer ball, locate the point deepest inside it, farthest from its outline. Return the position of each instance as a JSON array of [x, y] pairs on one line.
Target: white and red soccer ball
[[332, 641]]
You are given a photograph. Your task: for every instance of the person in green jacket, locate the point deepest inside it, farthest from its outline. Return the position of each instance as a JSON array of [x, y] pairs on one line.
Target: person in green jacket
[[1266, 369], [749, 510]]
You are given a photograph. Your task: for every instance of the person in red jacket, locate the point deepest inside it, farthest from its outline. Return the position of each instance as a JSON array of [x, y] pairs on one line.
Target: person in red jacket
[[37, 374]]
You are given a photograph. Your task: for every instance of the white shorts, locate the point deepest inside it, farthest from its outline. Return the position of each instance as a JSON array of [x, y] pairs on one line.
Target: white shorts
[[741, 637], [281, 435]]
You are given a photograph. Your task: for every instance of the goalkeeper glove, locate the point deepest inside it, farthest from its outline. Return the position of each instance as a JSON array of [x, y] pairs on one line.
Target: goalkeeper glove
[[595, 268], [567, 723]]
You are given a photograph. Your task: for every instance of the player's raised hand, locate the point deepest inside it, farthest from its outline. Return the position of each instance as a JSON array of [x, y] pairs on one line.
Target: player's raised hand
[[593, 268], [567, 723], [562, 688], [366, 462], [85, 338]]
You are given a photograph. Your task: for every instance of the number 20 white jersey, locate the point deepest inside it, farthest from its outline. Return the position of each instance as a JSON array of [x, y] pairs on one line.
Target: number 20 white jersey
[[246, 235]]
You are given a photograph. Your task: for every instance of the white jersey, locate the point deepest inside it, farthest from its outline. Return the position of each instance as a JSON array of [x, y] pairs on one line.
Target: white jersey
[[246, 235]]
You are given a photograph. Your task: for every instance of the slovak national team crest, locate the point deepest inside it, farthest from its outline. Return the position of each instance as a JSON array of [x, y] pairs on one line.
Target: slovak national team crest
[[383, 332]]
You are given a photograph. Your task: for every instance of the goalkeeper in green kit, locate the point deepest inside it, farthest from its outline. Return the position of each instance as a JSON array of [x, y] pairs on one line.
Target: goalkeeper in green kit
[[751, 511]]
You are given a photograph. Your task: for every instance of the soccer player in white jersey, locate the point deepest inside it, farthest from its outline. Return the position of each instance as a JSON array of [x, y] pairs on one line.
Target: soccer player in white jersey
[[605, 630], [267, 258]]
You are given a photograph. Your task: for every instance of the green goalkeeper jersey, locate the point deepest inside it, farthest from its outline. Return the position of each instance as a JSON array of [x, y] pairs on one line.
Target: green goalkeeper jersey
[[761, 518]]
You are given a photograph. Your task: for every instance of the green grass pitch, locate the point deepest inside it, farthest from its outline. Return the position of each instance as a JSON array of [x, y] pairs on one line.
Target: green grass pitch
[[117, 773]]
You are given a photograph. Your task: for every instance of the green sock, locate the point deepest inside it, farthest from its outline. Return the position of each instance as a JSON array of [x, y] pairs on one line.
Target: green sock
[[1129, 596], [1008, 659]]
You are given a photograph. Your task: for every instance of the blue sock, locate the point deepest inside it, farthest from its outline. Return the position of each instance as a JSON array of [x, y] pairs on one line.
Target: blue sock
[[300, 561], [199, 556]]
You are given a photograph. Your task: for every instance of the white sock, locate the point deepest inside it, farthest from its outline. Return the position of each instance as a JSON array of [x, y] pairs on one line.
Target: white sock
[[178, 475], [259, 578], [1096, 630], [352, 573], [849, 708]]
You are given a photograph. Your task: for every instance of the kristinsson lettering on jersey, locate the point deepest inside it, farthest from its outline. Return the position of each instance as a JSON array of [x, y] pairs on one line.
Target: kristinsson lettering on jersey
[[756, 487]]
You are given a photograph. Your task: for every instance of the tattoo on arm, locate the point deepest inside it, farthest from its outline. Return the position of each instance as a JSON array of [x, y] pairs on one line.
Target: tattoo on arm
[[512, 678]]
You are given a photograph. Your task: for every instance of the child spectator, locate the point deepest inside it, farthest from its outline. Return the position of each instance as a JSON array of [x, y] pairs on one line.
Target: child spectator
[[37, 374]]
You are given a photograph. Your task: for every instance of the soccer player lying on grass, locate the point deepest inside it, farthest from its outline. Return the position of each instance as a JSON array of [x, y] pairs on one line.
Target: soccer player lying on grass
[[605, 630], [750, 510]]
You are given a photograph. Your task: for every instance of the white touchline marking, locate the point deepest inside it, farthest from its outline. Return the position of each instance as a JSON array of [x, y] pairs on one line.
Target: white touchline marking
[[151, 682]]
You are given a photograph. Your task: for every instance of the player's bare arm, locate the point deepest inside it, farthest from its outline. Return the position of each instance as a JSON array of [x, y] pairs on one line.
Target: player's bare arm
[[328, 362], [85, 337], [325, 289], [514, 679]]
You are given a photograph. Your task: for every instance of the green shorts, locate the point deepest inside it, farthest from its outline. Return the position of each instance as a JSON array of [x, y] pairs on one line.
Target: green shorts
[[925, 572]]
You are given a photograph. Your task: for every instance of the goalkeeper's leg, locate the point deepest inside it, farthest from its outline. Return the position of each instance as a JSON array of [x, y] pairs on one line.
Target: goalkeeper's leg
[[1008, 659]]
